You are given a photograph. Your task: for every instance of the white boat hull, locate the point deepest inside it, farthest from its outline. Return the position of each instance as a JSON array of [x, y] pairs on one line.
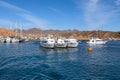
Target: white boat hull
[[72, 44], [47, 42], [46, 45], [96, 42], [61, 45], [15, 40], [8, 40]]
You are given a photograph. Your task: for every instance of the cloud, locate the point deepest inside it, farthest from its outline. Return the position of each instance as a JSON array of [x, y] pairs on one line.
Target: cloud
[[25, 15], [93, 15], [117, 2], [12, 25], [13, 7], [6, 21], [91, 6], [96, 15], [56, 10], [38, 22]]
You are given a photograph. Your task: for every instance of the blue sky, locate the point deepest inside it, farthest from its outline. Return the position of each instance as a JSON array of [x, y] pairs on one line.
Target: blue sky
[[61, 14]]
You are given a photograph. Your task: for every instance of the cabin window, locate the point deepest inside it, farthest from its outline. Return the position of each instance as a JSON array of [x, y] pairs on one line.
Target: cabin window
[[66, 41], [44, 41]]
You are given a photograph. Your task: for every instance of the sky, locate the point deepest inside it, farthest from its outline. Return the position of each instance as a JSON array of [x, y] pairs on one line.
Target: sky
[[61, 14]]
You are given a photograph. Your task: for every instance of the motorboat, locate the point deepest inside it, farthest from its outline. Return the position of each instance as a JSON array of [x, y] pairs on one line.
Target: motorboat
[[95, 40], [60, 43], [11, 40], [8, 40], [14, 40], [47, 42], [2, 39], [71, 42]]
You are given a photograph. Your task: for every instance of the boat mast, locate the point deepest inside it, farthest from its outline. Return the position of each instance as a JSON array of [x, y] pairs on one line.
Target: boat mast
[[10, 30], [21, 33], [16, 31]]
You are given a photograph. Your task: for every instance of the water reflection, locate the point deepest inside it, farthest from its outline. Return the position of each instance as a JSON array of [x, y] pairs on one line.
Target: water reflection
[[46, 50], [60, 54], [59, 50], [95, 45], [72, 50]]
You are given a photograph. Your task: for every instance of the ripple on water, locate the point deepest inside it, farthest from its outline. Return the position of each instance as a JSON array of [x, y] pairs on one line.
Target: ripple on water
[[27, 67], [31, 62]]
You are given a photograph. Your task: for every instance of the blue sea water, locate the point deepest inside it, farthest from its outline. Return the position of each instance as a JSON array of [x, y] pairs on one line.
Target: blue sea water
[[29, 61]]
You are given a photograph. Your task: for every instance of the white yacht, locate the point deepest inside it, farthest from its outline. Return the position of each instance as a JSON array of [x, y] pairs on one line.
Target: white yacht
[[2, 39], [8, 40], [60, 43], [11, 40], [71, 42], [95, 40], [15, 40], [47, 42]]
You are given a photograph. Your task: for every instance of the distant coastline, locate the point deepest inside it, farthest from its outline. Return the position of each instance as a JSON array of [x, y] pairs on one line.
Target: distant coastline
[[36, 33]]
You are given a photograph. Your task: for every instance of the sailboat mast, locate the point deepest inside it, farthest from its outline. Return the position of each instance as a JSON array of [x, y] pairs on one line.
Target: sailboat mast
[[21, 34], [16, 31], [10, 30]]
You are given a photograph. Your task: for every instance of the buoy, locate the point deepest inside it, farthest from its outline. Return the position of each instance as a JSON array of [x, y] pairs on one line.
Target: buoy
[[90, 49]]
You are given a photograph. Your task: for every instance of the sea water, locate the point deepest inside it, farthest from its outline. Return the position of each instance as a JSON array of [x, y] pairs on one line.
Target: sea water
[[29, 61]]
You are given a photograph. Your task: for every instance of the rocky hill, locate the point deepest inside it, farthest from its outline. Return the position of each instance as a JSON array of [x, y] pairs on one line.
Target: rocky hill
[[36, 33], [75, 33], [6, 32]]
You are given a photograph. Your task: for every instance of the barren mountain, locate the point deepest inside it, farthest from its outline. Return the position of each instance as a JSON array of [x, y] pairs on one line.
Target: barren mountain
[[75, 33], [6, 32], [36, 33]]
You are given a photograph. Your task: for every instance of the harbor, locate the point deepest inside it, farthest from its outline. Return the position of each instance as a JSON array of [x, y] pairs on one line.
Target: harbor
[[51, 57], [59, 40]]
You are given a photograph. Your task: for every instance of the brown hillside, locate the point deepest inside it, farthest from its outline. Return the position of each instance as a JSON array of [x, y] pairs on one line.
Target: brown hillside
[[75, 33], [35, 33], [6, 32]]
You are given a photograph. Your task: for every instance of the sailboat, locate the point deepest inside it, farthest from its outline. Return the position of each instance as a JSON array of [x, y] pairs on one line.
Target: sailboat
[[11, 38], [22, 39]]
